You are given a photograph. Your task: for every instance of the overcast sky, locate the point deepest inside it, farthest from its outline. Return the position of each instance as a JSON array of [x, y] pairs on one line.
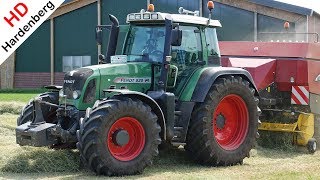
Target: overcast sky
[[312, 4]]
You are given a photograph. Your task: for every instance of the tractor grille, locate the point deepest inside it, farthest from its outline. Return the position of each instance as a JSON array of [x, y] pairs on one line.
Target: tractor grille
[[75, 80], [90, 93]]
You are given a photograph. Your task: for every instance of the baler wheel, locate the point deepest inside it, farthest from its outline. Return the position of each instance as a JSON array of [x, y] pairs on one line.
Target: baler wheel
[[223, 128], [119, 137], [312, 145], [317, 127]]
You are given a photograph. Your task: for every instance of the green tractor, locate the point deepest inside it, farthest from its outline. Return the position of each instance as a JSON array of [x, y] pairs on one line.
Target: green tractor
[[166, 87]]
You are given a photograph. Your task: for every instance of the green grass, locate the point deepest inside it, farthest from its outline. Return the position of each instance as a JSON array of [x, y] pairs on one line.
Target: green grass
[[17, 97], [40, 90], [13, 100], [37, 163]]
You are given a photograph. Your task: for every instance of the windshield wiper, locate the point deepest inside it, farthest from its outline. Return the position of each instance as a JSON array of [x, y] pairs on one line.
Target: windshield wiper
[[142, 55]]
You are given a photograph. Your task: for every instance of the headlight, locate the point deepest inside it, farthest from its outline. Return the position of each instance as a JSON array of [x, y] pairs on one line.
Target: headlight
[[75, 94], [61, 94]]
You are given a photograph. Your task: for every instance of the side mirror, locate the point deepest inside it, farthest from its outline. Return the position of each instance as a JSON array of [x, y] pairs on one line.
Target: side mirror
[[99, 36], [176, 37]]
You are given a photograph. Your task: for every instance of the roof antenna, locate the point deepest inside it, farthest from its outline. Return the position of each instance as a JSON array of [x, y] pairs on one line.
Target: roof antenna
[[210, 6]]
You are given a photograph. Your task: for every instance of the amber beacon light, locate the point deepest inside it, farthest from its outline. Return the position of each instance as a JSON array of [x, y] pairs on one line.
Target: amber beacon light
[[151, 8], [286, 25], [210, 5]]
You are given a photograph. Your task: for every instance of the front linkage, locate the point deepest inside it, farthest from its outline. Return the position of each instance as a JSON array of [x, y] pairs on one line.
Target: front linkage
[[41, 130]]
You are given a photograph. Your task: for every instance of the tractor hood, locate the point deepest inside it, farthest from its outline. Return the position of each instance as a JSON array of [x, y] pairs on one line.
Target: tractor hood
[[89, 82], [135, 76]]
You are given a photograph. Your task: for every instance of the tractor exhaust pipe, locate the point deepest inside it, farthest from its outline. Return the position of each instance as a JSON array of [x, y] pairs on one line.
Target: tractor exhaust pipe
[[113, 38]]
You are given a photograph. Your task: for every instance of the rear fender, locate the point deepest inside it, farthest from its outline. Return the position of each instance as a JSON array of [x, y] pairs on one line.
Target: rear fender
[[209, 76]]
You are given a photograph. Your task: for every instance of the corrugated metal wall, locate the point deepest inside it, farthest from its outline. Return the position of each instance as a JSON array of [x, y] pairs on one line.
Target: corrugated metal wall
[[34, 54], [237, 24], [75, 35], [171, 6], [270, 24], [120, 11]]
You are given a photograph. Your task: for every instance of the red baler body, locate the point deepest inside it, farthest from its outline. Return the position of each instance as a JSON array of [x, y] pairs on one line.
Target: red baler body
[[285, 64]]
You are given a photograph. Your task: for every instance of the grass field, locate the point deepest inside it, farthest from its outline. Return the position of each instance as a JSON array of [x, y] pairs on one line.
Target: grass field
[[30, 163], [16, 97]]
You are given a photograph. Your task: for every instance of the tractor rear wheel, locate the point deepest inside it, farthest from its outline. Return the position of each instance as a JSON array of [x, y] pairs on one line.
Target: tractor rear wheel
[[223, 128], [118, 137], [49, 112]]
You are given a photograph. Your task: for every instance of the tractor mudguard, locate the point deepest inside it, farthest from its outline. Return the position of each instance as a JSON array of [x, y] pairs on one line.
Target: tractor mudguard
[[209, 76], [53, 87], [148, 100]]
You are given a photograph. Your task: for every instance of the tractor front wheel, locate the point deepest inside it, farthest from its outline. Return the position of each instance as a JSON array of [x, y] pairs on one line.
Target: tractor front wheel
[[119, 137], [223, 128], [49, 113]]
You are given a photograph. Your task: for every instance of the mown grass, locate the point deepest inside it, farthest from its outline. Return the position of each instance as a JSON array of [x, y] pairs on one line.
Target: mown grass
[[11, 107], [16, 159], [284, 162], [37, 163]]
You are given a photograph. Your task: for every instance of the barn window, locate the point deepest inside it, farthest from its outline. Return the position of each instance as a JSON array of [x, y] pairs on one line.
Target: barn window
[[70, 63]]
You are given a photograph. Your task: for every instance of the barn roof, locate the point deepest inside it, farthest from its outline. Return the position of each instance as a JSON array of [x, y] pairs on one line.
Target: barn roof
[[286, 7]]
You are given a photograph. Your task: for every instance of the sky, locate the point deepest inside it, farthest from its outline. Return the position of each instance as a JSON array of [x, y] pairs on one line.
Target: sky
[[311, 4]]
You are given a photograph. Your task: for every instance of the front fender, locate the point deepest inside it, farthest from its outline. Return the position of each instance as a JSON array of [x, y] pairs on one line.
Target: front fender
[[209, 76], [148, 100]]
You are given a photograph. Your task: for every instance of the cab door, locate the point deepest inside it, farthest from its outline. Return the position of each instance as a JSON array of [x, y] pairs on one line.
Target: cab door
[[186, 59]]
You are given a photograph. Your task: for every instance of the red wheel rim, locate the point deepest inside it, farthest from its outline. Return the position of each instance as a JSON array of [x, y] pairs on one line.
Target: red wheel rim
[[136, 142], [230, 122]]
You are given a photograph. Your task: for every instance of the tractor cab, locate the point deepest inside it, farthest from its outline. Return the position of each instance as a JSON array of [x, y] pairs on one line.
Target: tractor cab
[[180, 43]]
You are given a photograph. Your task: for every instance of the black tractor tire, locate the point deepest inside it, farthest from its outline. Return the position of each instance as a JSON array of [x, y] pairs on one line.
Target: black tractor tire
[[98, 142], [223, 128], [312, 145], [167, 146], [48, 111]]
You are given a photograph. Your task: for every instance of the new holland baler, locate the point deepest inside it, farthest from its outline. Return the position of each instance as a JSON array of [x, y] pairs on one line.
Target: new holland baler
[[287, 76]]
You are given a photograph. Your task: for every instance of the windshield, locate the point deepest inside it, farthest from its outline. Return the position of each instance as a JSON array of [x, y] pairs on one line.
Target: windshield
[[145, 43]]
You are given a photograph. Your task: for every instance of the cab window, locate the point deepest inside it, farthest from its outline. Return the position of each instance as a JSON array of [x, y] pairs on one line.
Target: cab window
[[213, 51], [190, 50], [145, 43]]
